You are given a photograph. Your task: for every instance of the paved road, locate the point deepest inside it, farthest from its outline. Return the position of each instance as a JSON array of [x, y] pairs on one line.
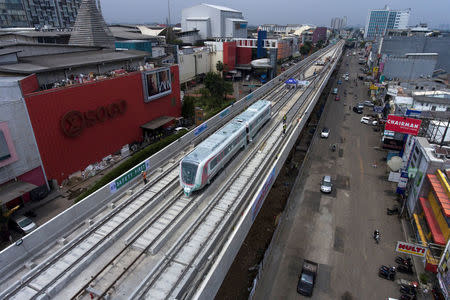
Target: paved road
[[335, 230]]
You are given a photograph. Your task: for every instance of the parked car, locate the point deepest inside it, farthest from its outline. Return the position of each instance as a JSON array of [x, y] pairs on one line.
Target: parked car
[[23, 224], [325, 132], [346, 78], [335, 91], [357, 110], [339, 81], [325, 184], [368, 103], [337, 98], [360, 105], [307, 278], [368, 120]]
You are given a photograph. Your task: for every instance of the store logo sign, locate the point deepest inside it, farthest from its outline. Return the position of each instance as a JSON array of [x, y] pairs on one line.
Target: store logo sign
[[403, 124], [74, 122], [412, 249]]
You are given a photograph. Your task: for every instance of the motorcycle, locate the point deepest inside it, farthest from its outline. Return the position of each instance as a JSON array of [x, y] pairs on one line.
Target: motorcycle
[[407, 297], [387, 273], [408, 290], [393, 211], [333, 147], [376, 236], [403, 261], [405, 269]]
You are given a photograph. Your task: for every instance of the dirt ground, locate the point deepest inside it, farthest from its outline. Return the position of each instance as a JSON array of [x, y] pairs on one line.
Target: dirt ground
[[237, 284]]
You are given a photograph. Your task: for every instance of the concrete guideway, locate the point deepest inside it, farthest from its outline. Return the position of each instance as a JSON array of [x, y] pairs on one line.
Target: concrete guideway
[[52, 275]]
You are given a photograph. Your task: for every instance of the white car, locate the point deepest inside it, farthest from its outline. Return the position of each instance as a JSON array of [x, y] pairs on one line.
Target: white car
[[325, 184], [23, 224], [325, 133], [368, 120]]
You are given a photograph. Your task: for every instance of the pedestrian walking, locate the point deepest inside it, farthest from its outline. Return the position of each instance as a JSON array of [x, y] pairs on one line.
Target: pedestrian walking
[[284, 119], [144, 176]]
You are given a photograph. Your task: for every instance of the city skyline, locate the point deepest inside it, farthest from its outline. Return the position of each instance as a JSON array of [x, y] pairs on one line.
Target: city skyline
[[285, 12]]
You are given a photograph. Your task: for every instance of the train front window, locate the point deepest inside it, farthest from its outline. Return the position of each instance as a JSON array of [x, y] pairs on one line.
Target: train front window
[[189, 170]]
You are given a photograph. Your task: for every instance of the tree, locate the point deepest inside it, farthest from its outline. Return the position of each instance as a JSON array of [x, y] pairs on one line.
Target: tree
[[216, 89], [188, 107], [320, 44], [305, 48], [219, 66]]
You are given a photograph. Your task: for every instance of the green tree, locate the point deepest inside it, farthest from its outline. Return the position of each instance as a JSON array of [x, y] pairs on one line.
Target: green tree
[[188, 107], [216, 89], [320, 44], [219, 66], [305, 48]]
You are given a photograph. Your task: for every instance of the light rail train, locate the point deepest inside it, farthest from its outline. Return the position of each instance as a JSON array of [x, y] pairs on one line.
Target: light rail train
[[199, 167]]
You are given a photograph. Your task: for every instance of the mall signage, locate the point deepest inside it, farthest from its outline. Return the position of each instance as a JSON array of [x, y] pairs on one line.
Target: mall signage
[[403, 124], [412, 249], [74, 122], [157, 83]]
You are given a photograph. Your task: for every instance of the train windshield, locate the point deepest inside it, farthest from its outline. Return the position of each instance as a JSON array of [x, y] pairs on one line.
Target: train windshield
[[188, 172]]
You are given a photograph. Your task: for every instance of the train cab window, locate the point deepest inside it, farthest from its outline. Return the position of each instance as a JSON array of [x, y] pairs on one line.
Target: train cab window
[[188, 172]]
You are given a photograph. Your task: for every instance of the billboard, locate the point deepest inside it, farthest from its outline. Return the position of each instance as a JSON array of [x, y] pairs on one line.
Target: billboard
[[403, 124], [157, 83], [412, 249]]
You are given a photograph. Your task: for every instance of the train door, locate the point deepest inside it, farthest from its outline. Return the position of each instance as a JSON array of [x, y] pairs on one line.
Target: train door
[[247, 131]]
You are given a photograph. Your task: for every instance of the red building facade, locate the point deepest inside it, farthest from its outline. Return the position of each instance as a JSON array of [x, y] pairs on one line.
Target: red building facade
[[79, 125]]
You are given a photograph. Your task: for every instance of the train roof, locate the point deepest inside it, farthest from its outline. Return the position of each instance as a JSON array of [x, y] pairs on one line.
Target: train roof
[[220, 136], [250, 112], [213, 141]]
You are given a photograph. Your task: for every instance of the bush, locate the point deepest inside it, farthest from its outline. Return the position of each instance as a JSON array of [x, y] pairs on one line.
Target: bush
[[424, 278], [130, 163]]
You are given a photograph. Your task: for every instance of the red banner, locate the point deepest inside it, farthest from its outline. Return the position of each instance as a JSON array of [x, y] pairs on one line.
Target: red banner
[[403, 124]]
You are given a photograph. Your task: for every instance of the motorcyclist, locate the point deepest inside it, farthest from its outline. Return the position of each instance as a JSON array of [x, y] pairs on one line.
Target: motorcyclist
[[376, 234]]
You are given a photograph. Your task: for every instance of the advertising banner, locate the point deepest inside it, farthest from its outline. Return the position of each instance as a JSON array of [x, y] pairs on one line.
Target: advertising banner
[[403, 124], [157, 83], [412, 249], [127, 177], [262, 194]]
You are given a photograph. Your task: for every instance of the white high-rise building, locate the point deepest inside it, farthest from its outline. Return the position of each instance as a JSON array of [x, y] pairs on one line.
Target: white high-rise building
[[379, 20], [213, 21]]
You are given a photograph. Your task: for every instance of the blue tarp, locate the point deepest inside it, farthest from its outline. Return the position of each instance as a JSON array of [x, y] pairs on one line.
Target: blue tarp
[[291, 81]]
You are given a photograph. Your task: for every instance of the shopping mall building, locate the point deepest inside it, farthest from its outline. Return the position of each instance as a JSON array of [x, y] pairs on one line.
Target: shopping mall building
[[64, 108]]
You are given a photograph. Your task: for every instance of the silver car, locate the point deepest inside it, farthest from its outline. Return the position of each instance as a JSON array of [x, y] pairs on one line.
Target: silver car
[[326, 185], [24, 224]]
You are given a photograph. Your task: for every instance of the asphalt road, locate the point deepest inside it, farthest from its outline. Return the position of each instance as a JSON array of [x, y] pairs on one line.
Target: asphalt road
[[336, 230]]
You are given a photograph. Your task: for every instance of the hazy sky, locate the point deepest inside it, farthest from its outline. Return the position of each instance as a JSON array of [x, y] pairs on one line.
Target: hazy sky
[[319, 12]]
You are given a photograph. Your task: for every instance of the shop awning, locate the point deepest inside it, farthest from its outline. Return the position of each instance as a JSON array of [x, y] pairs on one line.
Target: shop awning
[[419, 228], [433, 224], [14, 190], [441, 195], [158, 122]]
